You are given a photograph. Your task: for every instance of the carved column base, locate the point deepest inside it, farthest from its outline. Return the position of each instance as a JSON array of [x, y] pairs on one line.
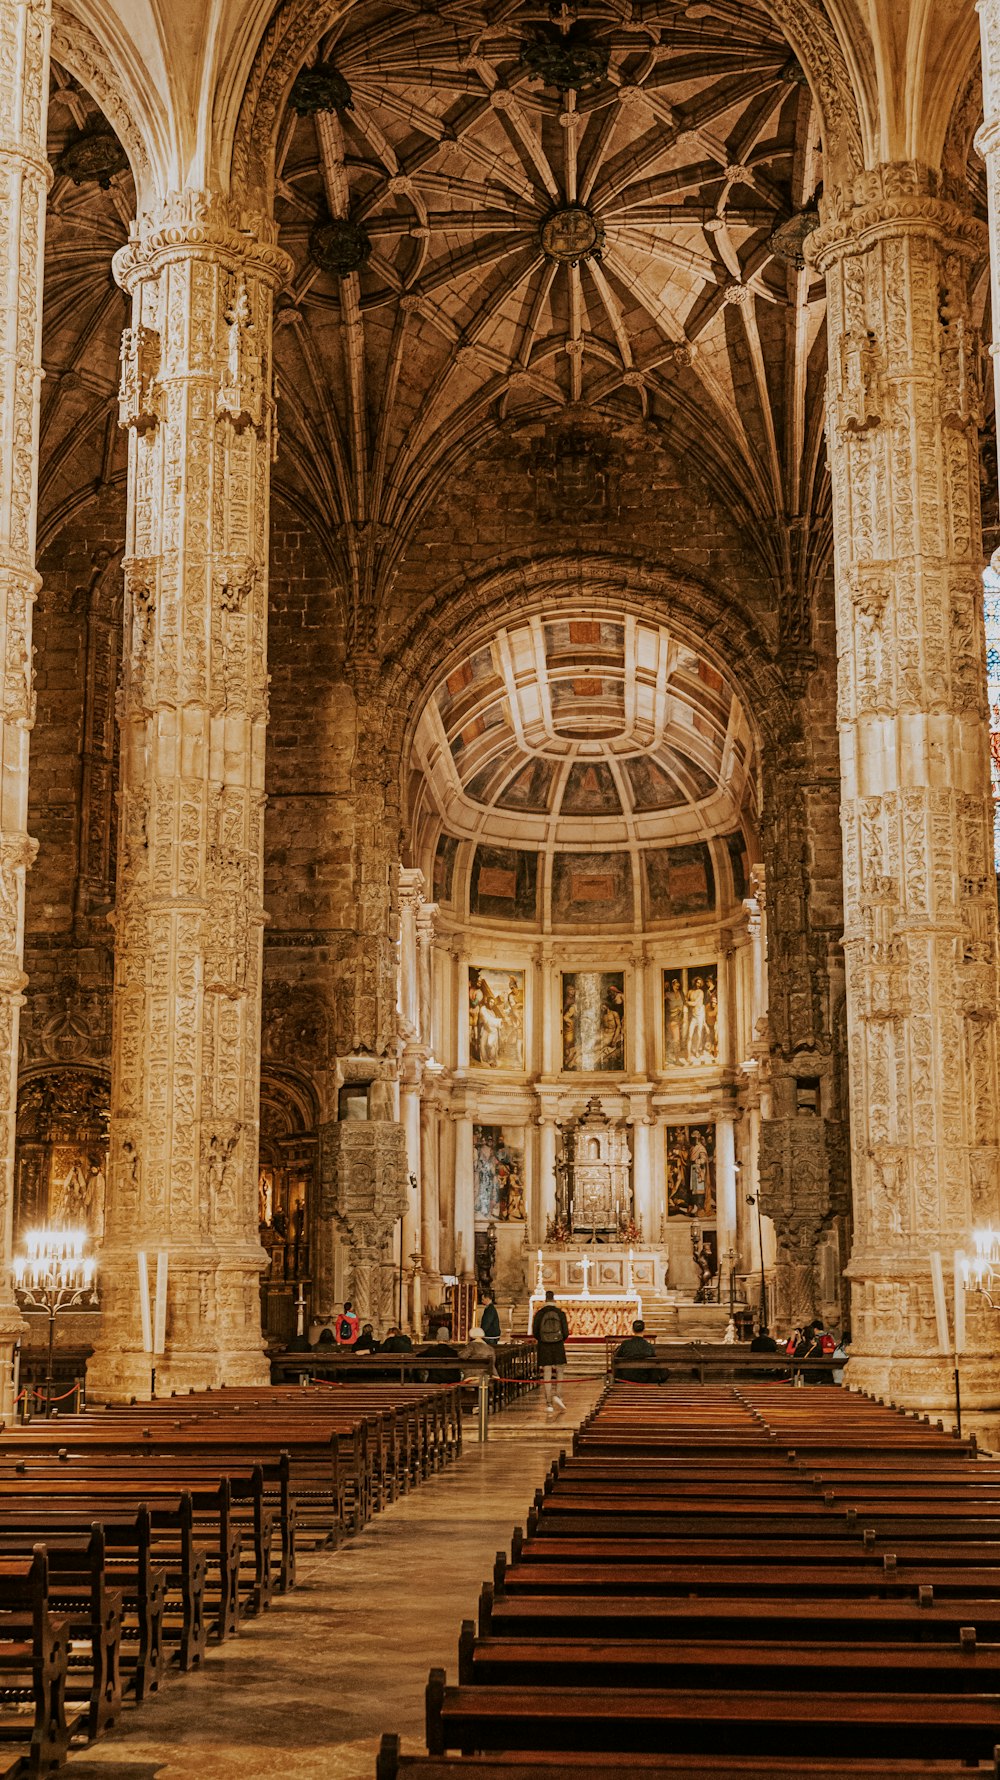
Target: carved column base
[[927, 1382], [12, 1328], [213, 1325]]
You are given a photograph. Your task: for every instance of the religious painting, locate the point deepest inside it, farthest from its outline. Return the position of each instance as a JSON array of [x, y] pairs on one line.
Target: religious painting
[[691, 1171], [652, 787], [529, 789], [590, 790], [498, 1165], [504, 884], [593, 1020], [496, 1017], [691, 1016], [592, 889], [738, 863], [679, 881], [444, 867]]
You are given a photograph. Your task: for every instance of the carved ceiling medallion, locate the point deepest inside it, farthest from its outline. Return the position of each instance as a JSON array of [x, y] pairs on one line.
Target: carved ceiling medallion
[[320, 88], [571, 234], [566, 60], [787, 238], [94, 158], [339, 246]]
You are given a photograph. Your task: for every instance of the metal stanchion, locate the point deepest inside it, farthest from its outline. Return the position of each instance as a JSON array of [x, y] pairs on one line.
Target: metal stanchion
[[484, 1409]]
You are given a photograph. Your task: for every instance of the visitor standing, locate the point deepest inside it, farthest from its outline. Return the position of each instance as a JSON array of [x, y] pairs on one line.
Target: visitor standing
[[346, 1328], [490, 1319], [550, 1329]]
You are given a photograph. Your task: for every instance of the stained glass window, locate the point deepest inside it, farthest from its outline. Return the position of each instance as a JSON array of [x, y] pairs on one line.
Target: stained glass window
[[991, 604]]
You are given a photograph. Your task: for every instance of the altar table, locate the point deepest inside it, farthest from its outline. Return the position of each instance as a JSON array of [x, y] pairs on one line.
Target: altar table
[[594, 1313]]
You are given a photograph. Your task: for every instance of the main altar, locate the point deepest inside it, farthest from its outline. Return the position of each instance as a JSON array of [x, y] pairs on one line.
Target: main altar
[[588, 1313], [594, 1259]]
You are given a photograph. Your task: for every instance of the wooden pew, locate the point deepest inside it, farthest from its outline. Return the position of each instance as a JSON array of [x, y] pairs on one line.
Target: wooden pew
[[34, 1663], [392, 1764]]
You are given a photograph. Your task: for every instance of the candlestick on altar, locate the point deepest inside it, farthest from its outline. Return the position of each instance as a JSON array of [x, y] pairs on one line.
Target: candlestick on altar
[[54, 1275], [539, 1280]]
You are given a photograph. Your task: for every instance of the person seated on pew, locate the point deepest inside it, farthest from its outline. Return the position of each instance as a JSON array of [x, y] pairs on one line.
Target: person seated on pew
[[326, 1338], [636, 1347], [347, 1326], [396, 1342], [763, 1342], [441, 1348], [365, 1343], [478, 1348]]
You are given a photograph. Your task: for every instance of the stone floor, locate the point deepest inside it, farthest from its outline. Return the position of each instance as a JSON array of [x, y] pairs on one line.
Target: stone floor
[[306, 1692]]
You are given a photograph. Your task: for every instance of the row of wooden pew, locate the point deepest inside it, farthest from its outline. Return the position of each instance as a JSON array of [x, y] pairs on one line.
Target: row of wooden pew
[[131, 1537], [736, 1581]]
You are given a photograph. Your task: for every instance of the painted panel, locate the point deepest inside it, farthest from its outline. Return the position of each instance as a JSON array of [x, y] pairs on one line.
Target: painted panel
[[691, 1016], [498, 1161], [593, 1020], [591, 889], [503, 885], [691, 1171], [496, 1017], [680, 881]]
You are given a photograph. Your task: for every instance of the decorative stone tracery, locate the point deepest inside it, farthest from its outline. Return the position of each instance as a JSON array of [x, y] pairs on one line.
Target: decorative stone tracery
[[24, 179], [920, 912], [197, 397]]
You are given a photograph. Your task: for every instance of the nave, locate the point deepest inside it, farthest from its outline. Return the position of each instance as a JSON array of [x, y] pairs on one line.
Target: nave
[[310, 1686], [745, 1581]]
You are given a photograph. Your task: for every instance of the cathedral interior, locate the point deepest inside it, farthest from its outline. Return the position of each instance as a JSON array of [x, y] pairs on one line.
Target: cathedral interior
[[493, 503], [499, 887]]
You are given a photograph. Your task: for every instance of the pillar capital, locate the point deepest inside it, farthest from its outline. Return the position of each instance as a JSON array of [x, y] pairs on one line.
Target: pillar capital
[[207, 225], [895, 198]]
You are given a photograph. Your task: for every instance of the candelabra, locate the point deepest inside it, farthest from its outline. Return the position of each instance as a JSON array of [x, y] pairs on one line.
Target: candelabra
[[53, 1275], [981, 1271]]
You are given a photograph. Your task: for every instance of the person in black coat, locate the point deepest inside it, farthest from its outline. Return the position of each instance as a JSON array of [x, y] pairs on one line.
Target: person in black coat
[[490, 1320], [636, 1347]]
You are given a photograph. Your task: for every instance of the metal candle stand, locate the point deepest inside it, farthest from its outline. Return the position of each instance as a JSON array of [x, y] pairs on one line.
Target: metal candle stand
[[54, 1275]]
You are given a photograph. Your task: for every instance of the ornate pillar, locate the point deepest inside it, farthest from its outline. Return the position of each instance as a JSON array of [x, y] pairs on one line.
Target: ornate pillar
[[430, 1208], [725, 1181], [465, 1196], [640, 1121], [412, 1016], [197, 398], [545, 1186], [24, 181], [919, 888]]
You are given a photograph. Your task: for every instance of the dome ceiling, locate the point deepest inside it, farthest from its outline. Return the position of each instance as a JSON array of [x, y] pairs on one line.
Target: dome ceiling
[[586, 731], [496, 214]]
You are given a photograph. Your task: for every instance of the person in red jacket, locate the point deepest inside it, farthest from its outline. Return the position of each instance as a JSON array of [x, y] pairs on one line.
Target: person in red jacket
[[346, 1326]]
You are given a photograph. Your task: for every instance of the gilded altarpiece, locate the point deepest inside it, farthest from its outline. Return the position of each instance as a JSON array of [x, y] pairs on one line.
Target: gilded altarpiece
[[61, 1156]]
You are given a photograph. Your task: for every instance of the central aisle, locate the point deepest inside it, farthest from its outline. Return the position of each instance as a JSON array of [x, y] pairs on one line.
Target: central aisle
[[306, 1692]]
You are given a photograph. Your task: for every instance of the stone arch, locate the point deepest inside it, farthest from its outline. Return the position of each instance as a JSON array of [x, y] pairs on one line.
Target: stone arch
[[287, 1185], [294, 29], [85, 58], [468, 609]]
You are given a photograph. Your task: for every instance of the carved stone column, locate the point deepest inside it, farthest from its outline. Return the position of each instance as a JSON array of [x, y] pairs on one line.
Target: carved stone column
[[919, 889], [197, 399], [24, 182]]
